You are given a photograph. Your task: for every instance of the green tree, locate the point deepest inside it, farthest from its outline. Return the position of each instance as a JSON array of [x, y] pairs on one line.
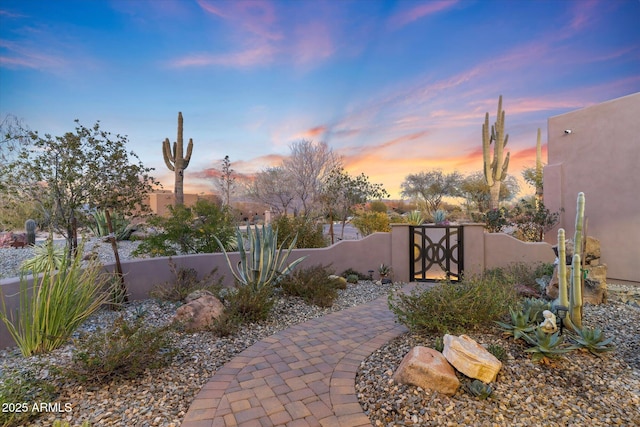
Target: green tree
[[474, 189], [190, 230], [342, 192], [79, 171], [431, 187]]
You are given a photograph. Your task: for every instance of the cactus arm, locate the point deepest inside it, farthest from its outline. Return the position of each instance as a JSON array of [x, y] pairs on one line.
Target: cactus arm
[[486, 151], [539, 155], [166, 154], [575, 301], [187, 158]]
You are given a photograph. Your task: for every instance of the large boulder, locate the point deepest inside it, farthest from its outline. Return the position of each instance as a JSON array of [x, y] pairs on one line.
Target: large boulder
[[595, 285], [199, 313], [427, 368], [470, 358]]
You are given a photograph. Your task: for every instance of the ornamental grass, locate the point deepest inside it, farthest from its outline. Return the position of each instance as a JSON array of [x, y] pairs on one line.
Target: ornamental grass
[[56, 304]]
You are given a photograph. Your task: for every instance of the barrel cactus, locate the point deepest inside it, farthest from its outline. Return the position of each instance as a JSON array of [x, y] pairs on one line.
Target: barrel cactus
[[30, 225]]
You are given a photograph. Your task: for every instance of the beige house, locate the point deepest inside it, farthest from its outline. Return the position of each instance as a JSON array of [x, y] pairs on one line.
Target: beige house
[[596, 150]]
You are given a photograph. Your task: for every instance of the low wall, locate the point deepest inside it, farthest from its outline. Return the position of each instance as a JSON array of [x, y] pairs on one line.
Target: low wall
[[481, 251]]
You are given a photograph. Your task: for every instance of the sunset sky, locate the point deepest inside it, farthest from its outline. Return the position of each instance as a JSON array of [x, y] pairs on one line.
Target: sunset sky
[[396, 87]]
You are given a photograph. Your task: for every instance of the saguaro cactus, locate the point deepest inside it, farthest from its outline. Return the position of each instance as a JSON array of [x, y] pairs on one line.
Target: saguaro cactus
[[539, 190], [495, 171], [176, 162], [30, 225], [562, 270]]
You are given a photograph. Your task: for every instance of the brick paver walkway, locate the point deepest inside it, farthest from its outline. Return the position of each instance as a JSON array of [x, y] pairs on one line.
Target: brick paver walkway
[[302, 376]]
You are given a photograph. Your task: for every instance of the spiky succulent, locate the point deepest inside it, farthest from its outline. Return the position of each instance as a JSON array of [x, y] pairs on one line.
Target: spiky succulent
[[546, 346], [592, 340], [520, 324], [535, 306], [480, 389]]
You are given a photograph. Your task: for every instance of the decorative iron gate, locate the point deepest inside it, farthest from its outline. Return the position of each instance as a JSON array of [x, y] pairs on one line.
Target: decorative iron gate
[[436, 253]]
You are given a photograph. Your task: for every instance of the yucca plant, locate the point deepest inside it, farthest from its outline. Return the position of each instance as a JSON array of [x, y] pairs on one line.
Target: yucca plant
[[265, 261], [47, 257], [546, 346], [592, 340], [520, 324], [58, 301]]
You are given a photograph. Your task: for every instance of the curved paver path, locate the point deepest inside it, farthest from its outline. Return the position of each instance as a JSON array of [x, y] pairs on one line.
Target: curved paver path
[[301, 376]]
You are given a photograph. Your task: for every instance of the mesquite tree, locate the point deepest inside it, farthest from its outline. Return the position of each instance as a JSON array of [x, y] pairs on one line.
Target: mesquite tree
[[71, 174]]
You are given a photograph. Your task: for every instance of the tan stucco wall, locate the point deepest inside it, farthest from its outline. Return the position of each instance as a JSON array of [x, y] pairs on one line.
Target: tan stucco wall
[[600, 157]]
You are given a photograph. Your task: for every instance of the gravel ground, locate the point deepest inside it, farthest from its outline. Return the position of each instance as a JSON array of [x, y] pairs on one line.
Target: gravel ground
[[578, 390]]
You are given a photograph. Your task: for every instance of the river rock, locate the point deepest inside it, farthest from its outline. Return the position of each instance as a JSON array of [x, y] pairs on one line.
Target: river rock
[[470, 358], [427, 368]]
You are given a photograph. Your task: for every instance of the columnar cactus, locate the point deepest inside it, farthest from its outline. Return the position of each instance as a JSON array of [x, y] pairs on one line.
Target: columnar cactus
[[562, 270], [495, 171], [176, 162], [539, 190], [575, 299], [30, 225]]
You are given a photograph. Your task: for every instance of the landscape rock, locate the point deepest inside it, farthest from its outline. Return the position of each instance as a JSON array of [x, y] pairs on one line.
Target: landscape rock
[[427, 368], [595, 289], [198, 293], [470, 358], [198, 314]]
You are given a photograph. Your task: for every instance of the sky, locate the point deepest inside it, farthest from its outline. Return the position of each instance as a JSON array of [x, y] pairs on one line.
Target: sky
[[395, 87]]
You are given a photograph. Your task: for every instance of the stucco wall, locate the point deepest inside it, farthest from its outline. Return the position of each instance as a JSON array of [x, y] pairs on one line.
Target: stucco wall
[[600, 157]]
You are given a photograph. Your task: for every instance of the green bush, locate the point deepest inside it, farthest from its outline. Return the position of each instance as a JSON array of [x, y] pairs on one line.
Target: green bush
[[498, 351], [125, 350], [23, 387], [310, 233], [313, 285], [185, 282], [454, 307], [350, 271], [249, 304], [59, 301], [352, 278], [371, 222], [190, 230]]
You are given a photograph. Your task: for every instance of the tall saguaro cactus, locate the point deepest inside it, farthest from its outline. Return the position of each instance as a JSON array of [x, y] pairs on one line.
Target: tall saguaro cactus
[[539, 189], [176, 162], [495, 171]]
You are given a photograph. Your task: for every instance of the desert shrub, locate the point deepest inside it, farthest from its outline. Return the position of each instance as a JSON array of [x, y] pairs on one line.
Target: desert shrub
[[56, 304], [124, 350], [249, 304], [378, 206], [544, 269], [495, 219], [352, 278], [313, 285], [371, 222], [185, 282], [46, 257], [20, 387], [226, 324], [498, 351], [454, 307], [190, 230], [350, 271], [532, 220], [310, 233]]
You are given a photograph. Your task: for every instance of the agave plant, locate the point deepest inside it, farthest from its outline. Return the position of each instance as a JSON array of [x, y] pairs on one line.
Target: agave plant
[[480, 389], [520, 324], [121, 226], [47, 257], [592, 340], [546, 346], [536, 307], [415, 218], [265, 261]]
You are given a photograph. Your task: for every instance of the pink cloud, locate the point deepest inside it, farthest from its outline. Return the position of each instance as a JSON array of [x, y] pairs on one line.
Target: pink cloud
[[21, 56], [405, 17], [312, 43], [248, 58]]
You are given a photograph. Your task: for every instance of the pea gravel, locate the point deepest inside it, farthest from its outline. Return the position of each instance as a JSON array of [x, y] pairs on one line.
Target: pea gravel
[[578, 390]]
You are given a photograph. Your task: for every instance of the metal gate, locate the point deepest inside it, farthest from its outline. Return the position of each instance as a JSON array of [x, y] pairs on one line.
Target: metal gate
[[436, 253]]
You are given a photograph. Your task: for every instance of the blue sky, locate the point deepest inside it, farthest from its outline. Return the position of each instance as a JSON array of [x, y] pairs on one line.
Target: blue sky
[[396, 87]]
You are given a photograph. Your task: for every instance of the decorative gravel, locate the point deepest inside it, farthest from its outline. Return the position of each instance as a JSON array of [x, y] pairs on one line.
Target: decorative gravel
[[578, 390]]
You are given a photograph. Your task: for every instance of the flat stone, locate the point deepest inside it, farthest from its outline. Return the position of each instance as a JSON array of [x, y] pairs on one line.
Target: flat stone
[[470, 358], [427, 368]]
